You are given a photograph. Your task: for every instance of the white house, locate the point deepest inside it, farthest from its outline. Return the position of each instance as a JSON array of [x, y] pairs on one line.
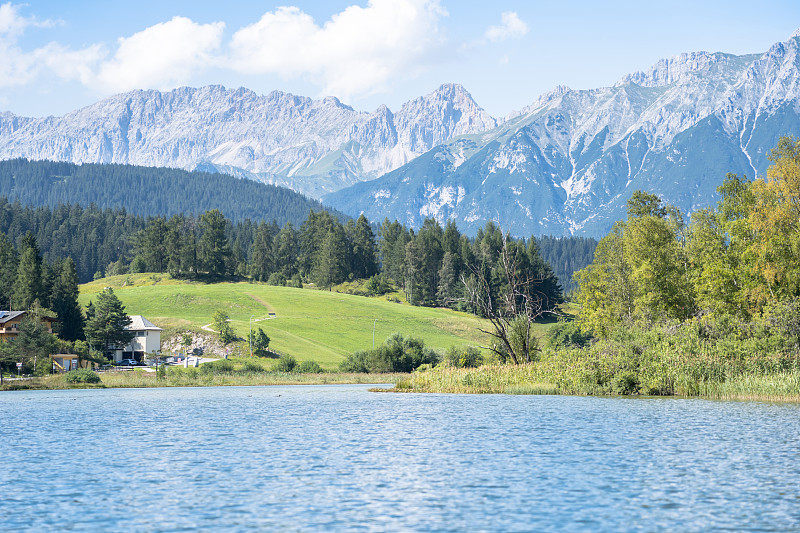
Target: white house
[[147, 339]]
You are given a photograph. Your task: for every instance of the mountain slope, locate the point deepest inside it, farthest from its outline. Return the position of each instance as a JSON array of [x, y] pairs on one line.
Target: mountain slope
[[312, 146], [568, 163]]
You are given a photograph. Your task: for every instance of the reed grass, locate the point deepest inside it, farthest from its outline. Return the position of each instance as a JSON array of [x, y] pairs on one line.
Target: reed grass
[[544, 377], [188, 378]]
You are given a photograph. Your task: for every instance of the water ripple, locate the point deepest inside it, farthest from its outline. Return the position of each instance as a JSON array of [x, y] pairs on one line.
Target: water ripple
[[341, 458]]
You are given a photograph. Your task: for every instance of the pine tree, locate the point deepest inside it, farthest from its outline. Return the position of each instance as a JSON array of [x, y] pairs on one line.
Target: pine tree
[[65, 302], [28, 284], [105, 325], [8, 271]]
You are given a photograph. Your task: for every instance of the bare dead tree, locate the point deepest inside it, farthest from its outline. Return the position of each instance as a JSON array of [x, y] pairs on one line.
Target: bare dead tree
[[512, 312]]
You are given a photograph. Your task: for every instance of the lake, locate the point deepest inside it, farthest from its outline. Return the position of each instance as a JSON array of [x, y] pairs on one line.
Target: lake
[[330, 458]]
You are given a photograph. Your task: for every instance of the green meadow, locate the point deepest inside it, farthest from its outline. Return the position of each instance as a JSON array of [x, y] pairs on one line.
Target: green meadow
[[308, 324]]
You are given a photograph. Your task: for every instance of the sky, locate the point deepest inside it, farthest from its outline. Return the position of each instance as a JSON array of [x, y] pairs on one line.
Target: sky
[[59, 56]]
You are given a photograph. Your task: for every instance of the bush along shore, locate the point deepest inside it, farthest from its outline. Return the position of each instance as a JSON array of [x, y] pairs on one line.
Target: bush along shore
[[666, 361], [708, 306]]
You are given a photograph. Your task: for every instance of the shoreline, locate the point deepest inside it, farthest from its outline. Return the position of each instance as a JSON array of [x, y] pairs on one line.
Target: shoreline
[[141, 380], [416, 382]]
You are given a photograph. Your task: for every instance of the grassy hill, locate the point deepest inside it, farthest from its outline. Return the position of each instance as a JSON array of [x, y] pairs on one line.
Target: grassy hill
[[309, 324]]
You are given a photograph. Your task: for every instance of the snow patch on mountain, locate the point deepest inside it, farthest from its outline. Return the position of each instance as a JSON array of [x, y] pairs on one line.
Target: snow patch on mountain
[[572, 158]]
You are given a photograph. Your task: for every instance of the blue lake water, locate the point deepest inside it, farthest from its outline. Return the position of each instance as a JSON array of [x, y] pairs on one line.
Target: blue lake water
[[342, 458]]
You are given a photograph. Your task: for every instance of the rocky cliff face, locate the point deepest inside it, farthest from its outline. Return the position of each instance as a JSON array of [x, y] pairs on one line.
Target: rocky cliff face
[[569, 162], [314, 146]]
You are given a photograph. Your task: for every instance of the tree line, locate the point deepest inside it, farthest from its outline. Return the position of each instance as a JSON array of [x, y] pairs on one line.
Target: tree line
[[113, 241], [148, 191], [433, 265]]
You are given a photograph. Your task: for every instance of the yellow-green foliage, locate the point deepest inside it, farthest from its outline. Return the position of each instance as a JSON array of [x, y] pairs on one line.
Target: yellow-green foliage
[[657, 361], [736, 259]]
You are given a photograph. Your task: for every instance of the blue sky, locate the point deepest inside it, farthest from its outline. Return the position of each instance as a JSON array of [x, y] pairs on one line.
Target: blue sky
[[59, 56]]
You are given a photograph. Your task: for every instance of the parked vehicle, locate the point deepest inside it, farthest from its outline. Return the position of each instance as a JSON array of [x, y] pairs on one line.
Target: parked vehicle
[[129, 362]]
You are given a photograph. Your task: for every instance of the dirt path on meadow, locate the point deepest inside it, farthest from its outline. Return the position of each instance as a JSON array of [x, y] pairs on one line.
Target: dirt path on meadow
[[264, 303]]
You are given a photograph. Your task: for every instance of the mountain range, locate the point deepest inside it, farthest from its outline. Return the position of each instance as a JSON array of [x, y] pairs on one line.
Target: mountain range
[[312, 146], [568, 163], [564, 165]]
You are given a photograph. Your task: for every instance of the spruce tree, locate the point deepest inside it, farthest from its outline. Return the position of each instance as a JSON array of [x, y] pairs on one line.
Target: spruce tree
[[329, 261], [28, 284], [364, 263], [213, 246], [8, 271], [105, 327], [65, 302]]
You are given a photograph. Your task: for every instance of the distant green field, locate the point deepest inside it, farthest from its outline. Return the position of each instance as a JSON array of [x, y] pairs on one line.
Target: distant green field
[[309, 324]]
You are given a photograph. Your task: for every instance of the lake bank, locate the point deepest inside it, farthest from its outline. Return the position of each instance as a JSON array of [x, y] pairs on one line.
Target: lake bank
[[544, 378], [136, 379], [530, 379]]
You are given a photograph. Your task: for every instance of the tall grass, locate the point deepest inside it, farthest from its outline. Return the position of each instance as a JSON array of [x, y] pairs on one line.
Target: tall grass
[[544, 377], [191, 377]]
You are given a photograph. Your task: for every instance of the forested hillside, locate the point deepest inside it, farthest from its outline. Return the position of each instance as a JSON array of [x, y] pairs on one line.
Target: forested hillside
[[566, 255], [433, 266], [149, 191]]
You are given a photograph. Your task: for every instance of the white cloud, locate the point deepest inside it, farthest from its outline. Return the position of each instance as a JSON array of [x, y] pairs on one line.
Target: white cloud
[[512, 27], [17, 67], [356, 53], [161, 56], [12, 24]]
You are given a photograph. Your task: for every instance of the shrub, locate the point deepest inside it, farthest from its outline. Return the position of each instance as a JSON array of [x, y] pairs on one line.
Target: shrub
[[395, 355], [138, 265], [277, 279], [252, 366], [463, 357], [378, 284], [296, 282], [82, 375], [286, 363], [221, 366], [625, 383], [309, 367], [221, 324], [259, 342], [356, 362], [566, 334]]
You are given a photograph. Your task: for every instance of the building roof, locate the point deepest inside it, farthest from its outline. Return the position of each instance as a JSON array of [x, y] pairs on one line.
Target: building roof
[[140, 323], [5, 316]]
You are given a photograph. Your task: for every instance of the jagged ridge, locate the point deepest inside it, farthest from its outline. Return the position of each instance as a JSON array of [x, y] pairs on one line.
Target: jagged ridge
[[567, 163], [313, 146]]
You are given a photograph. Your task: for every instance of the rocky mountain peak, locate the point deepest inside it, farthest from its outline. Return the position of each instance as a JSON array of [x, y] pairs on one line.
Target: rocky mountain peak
[[313, 146], [568, 162], [668, 71], [447, 112]]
